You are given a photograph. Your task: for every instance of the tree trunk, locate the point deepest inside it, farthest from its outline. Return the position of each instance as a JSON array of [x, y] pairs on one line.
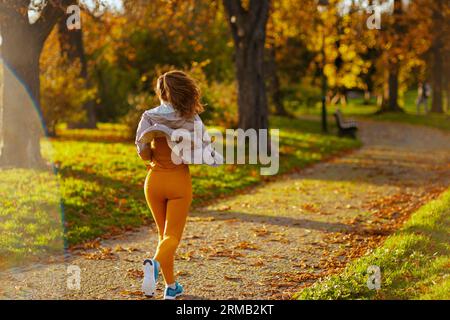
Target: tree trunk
[[390, 102], [21, 48], [367, 97], [252, 98], [437, 53], [248, 28], [72, 46], [274, 80], [393, 89], [21, 122], [437, 83], [447, 85], [390, 99]]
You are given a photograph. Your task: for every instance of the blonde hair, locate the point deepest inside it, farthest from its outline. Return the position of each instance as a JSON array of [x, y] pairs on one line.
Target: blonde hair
[[181, 91]]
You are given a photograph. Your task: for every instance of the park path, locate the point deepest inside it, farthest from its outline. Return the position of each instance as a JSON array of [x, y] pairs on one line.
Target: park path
[[273, 239]]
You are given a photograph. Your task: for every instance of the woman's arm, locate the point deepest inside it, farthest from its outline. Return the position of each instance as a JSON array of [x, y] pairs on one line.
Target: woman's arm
[[146, 153], [144, 149]]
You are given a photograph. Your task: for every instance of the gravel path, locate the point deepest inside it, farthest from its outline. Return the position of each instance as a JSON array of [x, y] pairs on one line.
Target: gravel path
[[274, 239]]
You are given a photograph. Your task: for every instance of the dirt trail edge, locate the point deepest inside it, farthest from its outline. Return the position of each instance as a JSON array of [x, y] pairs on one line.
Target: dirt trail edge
[[274, 239]]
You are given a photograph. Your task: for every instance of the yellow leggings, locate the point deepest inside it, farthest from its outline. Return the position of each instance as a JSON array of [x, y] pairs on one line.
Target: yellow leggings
[[169, 195]]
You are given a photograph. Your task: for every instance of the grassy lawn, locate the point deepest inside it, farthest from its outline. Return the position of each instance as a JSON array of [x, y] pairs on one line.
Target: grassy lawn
[[100, 181], [414, 262], [356, 109], [30, 215]]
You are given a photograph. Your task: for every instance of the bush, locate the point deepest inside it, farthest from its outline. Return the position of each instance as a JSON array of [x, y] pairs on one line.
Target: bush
[[63, 93], [220, 98], [139, 103], [303, 95]]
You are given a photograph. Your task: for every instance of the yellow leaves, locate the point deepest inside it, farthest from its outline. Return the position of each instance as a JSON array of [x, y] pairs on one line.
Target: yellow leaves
[[330, 73]]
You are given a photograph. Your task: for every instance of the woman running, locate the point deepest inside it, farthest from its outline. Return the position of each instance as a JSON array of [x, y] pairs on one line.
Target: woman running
[[168, 188]]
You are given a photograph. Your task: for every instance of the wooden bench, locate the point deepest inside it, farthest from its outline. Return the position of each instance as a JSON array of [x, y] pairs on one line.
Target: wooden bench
[[346, 128]]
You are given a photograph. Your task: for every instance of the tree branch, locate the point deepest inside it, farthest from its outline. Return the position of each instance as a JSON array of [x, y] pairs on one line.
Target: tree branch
[[237, 18], [50, 15]]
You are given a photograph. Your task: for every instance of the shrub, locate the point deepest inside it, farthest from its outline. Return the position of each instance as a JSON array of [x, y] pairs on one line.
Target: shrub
[[63, 93], [139, 103], [303, 95], [220, 98]]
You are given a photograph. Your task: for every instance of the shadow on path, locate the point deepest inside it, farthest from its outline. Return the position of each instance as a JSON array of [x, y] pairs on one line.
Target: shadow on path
[[273, 220]]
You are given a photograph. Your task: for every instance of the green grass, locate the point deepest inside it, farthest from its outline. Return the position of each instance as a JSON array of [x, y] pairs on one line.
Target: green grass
[[438, 121], [30, 215], [414, 262], [100, 180], [356, 109]]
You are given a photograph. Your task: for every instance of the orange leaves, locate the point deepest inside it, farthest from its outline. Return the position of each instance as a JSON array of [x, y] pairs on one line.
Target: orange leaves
[[201, 219], [119, 248], [283, 285], [228, 253], [261, 232], [223, 208], [100, 254], [279, 237], [104, 253], [229, 278], [120, 202], [135, 273], [132, 293], [257, 263], [188, 256], [182, 274], [88, 245], [302, 264], [310, 207], [245, 245]]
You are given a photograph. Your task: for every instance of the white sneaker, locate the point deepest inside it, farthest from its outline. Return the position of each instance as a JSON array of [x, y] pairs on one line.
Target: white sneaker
[[151, 272]]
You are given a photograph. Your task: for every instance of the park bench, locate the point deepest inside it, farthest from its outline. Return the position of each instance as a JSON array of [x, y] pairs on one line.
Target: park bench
[[346, 128]]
